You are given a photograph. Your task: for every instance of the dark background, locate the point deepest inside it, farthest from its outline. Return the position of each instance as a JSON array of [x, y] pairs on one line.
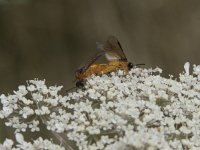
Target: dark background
[[49, 39]]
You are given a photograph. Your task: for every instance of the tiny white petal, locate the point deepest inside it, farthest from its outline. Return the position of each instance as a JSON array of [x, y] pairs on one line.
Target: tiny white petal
[[19, 137], [187, 68]]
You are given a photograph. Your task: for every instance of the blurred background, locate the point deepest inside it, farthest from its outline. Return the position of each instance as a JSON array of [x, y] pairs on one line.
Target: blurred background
[[50, 39]]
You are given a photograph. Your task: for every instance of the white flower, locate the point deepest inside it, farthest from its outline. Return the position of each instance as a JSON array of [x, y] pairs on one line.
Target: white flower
[[197, 69], [42, 111], [31, 88], [21, 90], [137, 110], [28, 103], [53, 90], [7, 145], [19, 138], [24, 145], [34, 126], [26, 111], [7, 111], [187, 68], [38, 96]]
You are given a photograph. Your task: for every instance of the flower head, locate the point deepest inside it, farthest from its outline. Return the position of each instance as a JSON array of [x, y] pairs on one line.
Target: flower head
[[138, 110], [38, 144]]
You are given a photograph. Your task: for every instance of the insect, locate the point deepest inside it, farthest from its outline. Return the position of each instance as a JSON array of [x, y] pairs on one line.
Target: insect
[[114, 53], [89, 68]]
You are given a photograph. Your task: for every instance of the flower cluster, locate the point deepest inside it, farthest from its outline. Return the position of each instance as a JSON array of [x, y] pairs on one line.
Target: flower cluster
[[29, 104], [38, 144], [138, 110]]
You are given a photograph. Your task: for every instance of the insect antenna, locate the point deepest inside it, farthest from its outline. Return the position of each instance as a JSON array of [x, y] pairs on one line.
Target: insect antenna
[[139, 64]]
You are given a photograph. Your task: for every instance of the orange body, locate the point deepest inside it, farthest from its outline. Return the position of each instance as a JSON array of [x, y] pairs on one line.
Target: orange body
[[99, 69]]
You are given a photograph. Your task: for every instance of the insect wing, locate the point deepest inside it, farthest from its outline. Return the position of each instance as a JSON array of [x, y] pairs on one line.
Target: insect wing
[[114, 49], [84, 67]]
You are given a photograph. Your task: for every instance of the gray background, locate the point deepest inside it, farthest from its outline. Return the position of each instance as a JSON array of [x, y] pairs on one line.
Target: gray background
[[49, 39]]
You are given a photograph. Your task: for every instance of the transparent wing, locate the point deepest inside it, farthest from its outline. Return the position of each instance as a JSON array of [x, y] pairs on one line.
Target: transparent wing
[[90, 61], [113, 49]]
